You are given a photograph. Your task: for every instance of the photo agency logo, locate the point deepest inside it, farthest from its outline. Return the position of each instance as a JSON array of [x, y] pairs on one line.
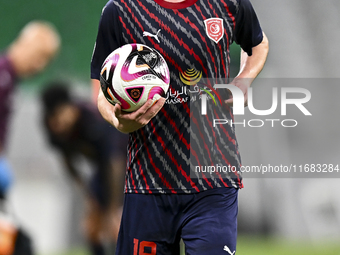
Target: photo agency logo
[[281, 98], [270, 102]]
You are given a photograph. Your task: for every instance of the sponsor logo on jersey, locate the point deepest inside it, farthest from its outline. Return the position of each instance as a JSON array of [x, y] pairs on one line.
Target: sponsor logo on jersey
[[152, 35], [214, 29], [190, 76], [193, 77]]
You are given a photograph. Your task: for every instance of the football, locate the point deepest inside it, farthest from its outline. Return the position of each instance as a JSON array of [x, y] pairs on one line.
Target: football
[[132, 74]]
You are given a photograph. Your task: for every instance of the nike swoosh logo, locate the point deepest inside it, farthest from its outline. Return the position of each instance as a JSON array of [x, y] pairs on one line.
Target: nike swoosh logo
[[134, 68], [133, 71]]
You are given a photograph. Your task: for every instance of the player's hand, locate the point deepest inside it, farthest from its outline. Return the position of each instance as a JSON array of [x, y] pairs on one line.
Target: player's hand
[[127, 122], [242, 84]]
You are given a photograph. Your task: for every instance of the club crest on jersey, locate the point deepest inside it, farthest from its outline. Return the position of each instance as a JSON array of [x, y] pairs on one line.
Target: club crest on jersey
[[214, 29]]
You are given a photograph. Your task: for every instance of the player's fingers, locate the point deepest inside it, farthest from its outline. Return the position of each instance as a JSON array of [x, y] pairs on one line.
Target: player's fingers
[[152, 111], [117, 110], [141, 111], [229, 102]]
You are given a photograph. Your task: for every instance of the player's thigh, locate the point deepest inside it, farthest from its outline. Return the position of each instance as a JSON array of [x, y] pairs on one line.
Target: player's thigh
[[146, 228], [211, 227]]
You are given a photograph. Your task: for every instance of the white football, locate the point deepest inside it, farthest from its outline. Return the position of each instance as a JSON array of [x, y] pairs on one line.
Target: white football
[[132, 74]]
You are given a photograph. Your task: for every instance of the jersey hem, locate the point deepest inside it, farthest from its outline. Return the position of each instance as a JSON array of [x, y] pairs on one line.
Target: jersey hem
[[175, 191]]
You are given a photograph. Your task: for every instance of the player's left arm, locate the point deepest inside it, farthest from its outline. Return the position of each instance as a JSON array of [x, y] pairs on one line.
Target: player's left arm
[[95, 90], [250, 67]]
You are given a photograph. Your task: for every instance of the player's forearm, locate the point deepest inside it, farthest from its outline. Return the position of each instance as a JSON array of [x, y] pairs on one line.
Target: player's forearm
[[251, 66], [106, 109], [95, 90]]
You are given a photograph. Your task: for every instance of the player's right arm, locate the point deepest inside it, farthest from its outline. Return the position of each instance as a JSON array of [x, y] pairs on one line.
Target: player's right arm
[[108, 39], [127, 122]]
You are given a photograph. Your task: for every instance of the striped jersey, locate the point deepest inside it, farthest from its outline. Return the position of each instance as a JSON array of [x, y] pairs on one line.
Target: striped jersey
[[172, 152]]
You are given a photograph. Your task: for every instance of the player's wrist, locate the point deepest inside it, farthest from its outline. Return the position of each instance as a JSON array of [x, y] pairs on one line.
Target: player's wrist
[[243, 81]]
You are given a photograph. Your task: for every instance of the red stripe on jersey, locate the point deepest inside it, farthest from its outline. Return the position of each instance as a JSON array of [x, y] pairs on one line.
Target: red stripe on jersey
[[173, 124], [141, 170], [210, 86], [127, 30], [172, 33], [126, 177], [225, 30], [226, 68], [194, 120], [232, 117], [234, 23], [144, 178], [219, 45], [218, 148], [130, 169], [126, 184], [158, 171], [231, 140], [169, 153], [156, 46], [193, 25], [132, 181], [184, 104], [199, 164], [229, 13], [139, 167]]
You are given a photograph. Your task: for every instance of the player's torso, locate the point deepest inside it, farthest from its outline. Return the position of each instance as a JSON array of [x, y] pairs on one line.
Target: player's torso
[[195, 43], [196, 37]]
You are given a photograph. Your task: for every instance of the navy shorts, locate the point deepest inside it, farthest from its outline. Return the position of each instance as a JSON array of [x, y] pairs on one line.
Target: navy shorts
[[155, 224]]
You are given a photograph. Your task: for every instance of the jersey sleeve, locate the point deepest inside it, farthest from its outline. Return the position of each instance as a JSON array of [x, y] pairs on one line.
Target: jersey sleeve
[[248, 32], [108, 38]]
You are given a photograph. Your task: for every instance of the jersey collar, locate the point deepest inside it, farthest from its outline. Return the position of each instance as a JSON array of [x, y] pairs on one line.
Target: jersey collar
[[181, 5]]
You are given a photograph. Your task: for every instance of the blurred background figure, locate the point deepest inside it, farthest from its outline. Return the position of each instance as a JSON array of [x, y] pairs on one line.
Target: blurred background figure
[[27, 55], [76, 129]]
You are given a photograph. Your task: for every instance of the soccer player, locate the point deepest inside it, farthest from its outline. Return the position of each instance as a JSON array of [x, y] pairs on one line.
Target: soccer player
[[75, 128], [36, 45], [164, 202]]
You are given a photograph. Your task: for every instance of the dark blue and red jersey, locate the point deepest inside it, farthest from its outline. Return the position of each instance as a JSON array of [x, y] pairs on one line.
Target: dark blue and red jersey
[[194, 38]]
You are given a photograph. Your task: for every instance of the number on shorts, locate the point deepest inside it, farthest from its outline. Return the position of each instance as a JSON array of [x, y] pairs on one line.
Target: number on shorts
[[144, 244]]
